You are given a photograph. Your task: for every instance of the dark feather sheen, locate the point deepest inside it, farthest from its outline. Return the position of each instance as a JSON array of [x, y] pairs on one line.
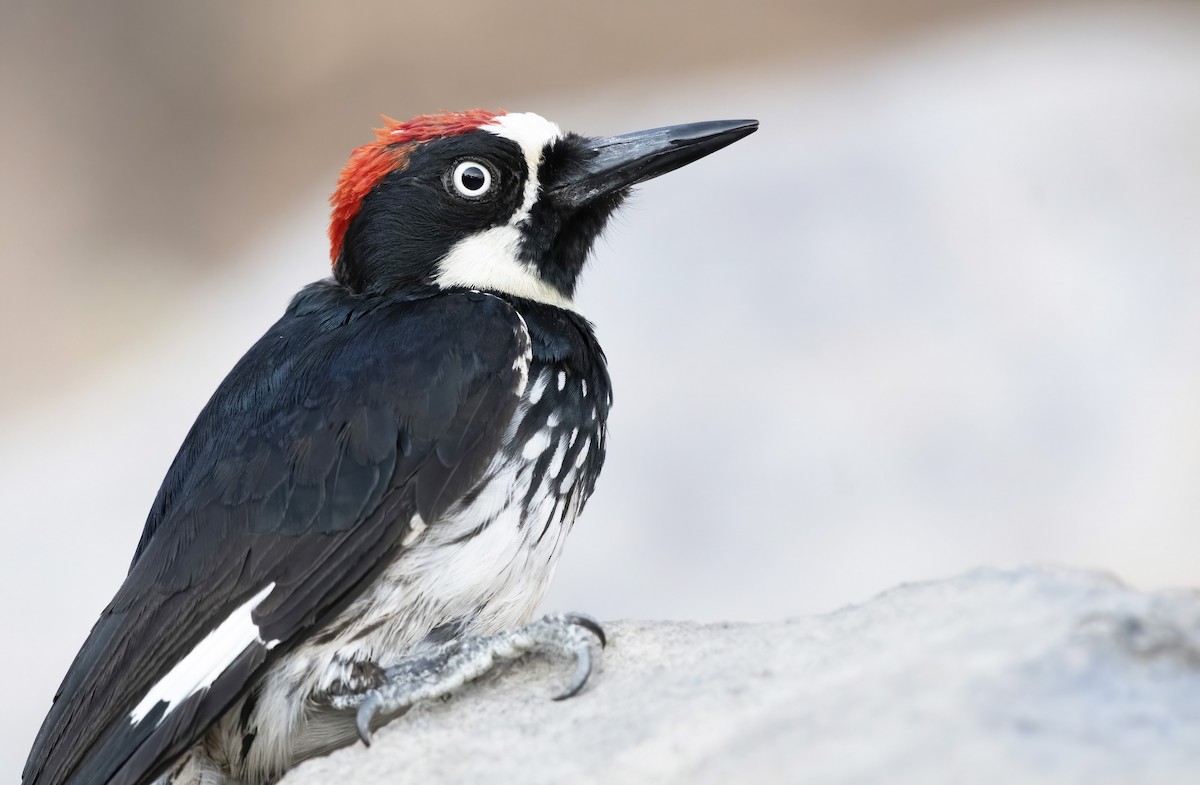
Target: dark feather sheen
[[349, 425]]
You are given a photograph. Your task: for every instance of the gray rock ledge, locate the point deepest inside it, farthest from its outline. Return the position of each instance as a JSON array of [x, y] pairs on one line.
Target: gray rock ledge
[[998, 676]]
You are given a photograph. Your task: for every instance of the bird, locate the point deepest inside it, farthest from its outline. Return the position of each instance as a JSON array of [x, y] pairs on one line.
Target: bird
[[368, 510]]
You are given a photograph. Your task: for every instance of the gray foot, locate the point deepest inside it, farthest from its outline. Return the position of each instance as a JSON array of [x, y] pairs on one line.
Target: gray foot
[[457, 662]]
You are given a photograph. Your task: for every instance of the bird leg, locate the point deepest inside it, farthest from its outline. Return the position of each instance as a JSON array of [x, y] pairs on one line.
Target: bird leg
[[436, 673]]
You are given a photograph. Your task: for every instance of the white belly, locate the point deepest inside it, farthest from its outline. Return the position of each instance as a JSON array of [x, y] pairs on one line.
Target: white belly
[[484, 566]]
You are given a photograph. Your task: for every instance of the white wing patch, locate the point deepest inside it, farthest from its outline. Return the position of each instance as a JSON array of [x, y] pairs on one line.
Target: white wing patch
[[203, 664], [489, 260]]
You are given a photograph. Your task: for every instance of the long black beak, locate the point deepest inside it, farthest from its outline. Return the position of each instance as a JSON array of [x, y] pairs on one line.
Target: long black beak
[[621, 161]]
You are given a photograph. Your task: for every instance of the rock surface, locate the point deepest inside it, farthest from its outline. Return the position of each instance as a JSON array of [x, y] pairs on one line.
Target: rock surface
[[998, 676]]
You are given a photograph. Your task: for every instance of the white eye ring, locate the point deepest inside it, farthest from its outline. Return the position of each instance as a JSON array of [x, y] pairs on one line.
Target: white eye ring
[[467, 174]]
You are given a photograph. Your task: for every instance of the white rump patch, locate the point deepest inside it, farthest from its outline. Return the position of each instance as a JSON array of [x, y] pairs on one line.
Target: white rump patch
[[207, 661], [489, 260]]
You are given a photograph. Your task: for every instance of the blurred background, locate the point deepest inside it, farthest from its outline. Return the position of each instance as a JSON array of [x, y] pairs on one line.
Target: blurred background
[[943, 310]]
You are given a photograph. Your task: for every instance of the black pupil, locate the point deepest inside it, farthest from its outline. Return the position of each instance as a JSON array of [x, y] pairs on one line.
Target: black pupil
[[472, 178]]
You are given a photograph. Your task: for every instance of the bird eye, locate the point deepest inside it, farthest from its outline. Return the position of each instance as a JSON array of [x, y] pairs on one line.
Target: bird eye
[[471, 179]]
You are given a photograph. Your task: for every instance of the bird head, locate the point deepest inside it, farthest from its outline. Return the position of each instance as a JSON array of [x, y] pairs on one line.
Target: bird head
[[502, 202]]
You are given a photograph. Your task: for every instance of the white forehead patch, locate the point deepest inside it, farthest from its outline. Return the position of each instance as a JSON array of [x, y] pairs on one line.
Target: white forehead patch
[[531, 131], [489, 260]]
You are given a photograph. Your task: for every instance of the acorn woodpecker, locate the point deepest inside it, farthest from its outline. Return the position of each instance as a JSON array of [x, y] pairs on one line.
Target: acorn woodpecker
[[372, 503]]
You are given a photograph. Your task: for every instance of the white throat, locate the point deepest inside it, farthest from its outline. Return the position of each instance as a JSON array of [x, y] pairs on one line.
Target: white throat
[[490, 259]]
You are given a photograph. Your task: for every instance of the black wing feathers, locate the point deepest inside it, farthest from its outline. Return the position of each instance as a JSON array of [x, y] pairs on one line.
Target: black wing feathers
[[350, 415]]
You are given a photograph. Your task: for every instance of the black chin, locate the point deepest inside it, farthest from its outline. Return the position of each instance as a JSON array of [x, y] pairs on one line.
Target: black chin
[[585, 180], [556, 240]]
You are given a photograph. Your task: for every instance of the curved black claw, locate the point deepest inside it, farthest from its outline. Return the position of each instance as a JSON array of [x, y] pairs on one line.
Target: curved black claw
[[362, 720], [583, 670], [589, 624]]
